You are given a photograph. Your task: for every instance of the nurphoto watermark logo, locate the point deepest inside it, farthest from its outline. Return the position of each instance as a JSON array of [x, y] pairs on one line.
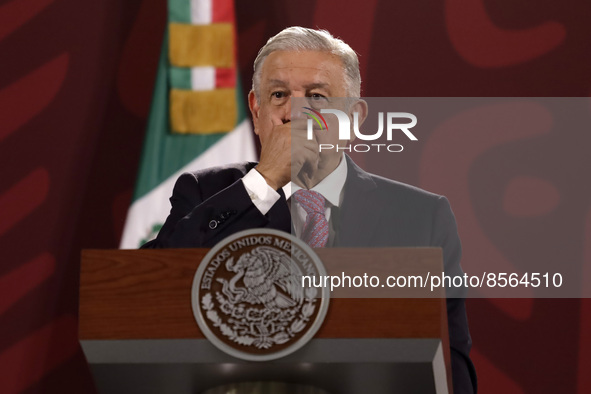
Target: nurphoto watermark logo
[[392, 122]]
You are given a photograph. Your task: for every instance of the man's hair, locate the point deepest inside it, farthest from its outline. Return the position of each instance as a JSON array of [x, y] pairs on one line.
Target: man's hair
[[297, 38]]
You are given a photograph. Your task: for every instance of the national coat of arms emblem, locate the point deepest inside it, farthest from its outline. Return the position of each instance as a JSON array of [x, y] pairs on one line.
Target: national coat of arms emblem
[[248, 296]]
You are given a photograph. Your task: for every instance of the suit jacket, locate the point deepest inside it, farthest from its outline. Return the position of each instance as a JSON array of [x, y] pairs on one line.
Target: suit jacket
[[211, 204]]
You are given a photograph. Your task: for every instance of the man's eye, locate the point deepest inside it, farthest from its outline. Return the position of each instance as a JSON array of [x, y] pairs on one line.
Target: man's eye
[[317, 96], [278, 95]]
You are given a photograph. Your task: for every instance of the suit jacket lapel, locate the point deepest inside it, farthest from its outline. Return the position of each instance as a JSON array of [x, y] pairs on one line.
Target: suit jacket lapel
[[358, 214], [356, 218]]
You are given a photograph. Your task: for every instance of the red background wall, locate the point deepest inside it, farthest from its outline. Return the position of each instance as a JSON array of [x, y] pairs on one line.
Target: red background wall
[[76, 80]]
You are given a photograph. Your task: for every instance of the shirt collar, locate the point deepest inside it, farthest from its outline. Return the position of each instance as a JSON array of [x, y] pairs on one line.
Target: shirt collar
[[330, 187]]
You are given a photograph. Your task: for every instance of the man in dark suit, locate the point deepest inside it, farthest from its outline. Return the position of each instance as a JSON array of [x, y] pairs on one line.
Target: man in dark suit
[[355, 208]]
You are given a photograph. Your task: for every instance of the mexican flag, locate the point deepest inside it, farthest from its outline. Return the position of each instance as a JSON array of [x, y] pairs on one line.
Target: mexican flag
[[197, 119]]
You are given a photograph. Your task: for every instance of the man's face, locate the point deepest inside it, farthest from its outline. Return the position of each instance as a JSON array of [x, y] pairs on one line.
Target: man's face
[[315, 75]]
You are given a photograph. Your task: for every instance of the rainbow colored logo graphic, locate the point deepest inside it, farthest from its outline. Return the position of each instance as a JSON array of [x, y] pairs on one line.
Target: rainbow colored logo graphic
[[315, 117]]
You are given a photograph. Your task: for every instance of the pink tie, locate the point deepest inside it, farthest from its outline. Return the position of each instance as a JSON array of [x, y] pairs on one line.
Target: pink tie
[[315, 231]]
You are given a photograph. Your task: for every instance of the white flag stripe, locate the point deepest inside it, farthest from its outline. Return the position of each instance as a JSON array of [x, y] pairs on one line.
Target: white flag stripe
[[203, 78], [201, 12], [152, 208]]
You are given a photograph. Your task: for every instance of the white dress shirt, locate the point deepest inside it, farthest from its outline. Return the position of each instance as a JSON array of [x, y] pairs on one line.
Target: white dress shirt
[[264, 197]]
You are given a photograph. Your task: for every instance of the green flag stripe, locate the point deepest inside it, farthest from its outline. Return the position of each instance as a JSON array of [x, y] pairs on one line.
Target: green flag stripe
[[179, 11], [165, 153], [180, 77]]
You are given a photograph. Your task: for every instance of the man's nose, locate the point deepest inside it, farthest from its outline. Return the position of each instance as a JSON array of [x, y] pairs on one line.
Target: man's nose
[[287, 111], [298, 106]]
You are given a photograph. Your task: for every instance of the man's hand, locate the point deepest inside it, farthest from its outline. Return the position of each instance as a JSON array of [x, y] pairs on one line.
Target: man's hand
[[287, 152]]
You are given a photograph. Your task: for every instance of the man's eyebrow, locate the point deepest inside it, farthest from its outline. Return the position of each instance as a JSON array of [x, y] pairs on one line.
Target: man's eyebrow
[[317, 85], [314, 85]]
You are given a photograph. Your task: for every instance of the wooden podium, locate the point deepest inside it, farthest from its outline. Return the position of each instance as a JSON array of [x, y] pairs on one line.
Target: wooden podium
[[139, 335]]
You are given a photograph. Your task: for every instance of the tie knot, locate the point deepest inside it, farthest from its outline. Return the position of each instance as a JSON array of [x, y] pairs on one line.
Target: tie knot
[[311, 201]]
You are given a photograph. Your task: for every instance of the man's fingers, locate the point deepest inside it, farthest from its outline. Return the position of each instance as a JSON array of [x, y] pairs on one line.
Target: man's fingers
[[299, 124], [305, 155]]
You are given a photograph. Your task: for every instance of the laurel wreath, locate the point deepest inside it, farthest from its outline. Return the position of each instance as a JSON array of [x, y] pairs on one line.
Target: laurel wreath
[[262, 341]]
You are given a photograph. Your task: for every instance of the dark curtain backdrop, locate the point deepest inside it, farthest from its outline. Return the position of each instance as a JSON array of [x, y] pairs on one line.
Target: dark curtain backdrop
[[76, 80]]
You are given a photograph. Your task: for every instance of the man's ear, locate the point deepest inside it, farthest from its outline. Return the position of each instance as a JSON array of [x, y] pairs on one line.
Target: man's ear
[[359, 106], [254, 110]]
